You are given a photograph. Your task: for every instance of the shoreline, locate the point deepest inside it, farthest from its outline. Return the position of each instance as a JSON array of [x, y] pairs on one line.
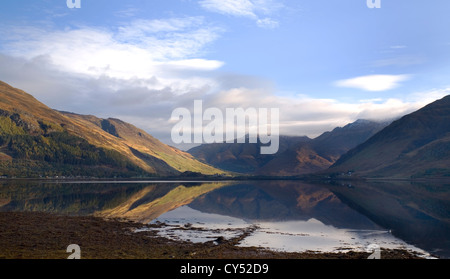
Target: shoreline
[[34, 235], [177, 179]]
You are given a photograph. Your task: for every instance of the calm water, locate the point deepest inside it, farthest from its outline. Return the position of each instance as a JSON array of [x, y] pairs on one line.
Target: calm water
[[282, 215]]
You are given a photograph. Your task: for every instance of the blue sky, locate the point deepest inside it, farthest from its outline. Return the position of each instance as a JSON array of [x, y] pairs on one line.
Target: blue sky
[[324, 63]]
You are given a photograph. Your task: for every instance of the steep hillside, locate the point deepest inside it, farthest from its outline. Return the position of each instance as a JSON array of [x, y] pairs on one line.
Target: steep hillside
[[321, 152], [241, 157], [138, 146], [38, 141], [417, 145]]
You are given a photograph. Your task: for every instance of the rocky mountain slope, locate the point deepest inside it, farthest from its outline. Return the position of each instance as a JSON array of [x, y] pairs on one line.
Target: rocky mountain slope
[[36, 140]]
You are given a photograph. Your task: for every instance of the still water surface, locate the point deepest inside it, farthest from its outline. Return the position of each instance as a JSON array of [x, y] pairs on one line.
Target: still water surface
[[280, 215]]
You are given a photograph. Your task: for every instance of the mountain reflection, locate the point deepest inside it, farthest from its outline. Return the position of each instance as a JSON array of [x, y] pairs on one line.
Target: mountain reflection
[[418, 213], [281, 201]]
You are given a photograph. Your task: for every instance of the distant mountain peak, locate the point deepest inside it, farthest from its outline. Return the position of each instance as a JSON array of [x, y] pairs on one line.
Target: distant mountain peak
[[361, 122], [297, 154]]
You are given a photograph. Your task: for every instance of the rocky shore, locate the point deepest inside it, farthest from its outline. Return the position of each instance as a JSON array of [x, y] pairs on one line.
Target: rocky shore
[[25, 235]]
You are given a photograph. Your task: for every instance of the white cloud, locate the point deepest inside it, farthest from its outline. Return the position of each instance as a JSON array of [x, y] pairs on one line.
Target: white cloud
[[258, 10], [429, 96], [146, 104], [267, 23], [142, 70], [305, 115], [139, 49], [195, 64], [242, 8], [373, 82]]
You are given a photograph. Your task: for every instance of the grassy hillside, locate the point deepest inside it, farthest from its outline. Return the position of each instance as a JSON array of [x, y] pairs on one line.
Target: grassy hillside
[[38, 141], [417, 145]]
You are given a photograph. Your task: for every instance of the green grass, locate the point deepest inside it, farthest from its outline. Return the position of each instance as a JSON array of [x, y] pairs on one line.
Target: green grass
[[9, 127]]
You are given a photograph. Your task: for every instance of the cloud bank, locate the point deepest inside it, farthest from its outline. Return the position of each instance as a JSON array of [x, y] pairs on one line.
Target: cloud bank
[[142, 70], [373, 82]]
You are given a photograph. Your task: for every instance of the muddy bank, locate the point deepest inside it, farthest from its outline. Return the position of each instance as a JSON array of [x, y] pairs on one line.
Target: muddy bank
[[46, 236]]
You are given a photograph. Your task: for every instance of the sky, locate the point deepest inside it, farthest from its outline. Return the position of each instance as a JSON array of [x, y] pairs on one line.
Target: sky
[[323, 63]]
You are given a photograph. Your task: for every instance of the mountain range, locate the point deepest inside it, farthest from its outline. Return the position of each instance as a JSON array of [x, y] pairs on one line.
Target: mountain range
[[37, 141], [414, 146], [297, 155]]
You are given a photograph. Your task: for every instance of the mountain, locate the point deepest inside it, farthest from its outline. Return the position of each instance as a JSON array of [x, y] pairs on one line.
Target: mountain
[[321, 152], [297, 155], [36, 140], [417, 145], [241, 157]]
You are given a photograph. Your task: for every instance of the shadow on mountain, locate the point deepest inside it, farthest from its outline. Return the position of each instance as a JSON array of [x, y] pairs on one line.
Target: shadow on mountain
[[417, 212]]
